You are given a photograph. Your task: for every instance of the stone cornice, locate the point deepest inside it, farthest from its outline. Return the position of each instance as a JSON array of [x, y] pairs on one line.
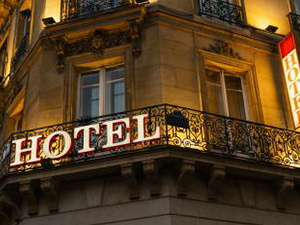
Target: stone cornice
[[235, 167], [94, 34], [80, 27], [243, 36]]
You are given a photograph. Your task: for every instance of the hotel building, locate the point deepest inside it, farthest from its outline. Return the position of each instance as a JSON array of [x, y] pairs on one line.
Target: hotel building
[[164, 112]]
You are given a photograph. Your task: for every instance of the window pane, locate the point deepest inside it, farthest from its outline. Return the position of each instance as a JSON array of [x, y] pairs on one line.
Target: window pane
[[215, 99], [233, 82], [90, 101], [90, 94], [235, 97], [236, 104], [114, 74], [214, 91], [90, 79], [114, 91], [213, 76]]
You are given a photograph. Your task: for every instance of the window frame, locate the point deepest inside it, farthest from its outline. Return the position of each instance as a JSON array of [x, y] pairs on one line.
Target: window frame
[[102, 89], [241, 67], [224, 89], [4, 54]]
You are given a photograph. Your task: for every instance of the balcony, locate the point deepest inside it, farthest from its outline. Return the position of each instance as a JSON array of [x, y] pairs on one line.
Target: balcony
[[222, 10], [78, 8], [20, 52], [295, 21], [180, 129]]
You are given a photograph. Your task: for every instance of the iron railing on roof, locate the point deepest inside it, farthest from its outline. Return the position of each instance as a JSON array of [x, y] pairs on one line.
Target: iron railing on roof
[[180, 128], [78, 8], [222, 10], [295, 20], [20, 52]]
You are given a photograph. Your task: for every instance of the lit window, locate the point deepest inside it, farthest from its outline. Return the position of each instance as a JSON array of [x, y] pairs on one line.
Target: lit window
[[226, 94], [102, 92], [23, 26], [3, 59]]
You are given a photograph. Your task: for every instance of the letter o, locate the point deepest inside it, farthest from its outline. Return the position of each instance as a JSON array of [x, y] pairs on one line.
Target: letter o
[[67, 146], [293, 74]]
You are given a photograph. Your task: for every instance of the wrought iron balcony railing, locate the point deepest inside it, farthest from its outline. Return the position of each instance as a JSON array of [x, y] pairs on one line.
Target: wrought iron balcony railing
[[180, 128], [222, 10], [77, 8], [20, 53], [295, 20]]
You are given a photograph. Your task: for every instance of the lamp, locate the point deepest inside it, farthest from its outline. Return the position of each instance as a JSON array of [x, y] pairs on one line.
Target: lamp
[[178, 120], [48, 21], [271, 29]]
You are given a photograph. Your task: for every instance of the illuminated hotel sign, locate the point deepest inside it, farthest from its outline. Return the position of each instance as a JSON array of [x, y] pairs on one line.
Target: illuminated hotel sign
[[35, 149], [292, 75]]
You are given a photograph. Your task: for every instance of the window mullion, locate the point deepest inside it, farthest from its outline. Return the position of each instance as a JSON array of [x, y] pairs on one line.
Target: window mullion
[[244, 93], [225, 100], [102, 92], [79, 96]]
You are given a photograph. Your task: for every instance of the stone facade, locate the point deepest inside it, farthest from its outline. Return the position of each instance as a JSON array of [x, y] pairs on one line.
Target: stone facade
[[165, 46]]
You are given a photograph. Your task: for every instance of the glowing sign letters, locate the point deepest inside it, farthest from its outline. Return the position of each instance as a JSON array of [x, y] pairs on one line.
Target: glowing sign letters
[[292, 75], [28, 151]]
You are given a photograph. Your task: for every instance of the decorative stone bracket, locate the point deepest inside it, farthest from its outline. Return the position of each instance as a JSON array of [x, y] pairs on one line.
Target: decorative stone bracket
[[186, 172], [60, 52], [135, 32], [151, 172], [283, 188], [29, 194], [217, 177], [129, 177], [49, 189]]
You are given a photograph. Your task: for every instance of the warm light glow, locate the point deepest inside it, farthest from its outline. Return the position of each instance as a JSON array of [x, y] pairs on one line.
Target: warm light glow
[[261, 14], [292, 75], [52, 9]]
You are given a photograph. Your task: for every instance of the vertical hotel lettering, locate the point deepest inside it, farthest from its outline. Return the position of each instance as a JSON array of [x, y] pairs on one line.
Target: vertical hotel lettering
[[292, 75]]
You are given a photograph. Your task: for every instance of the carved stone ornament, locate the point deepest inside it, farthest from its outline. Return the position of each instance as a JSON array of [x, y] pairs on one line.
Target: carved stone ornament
[[223, 48], [59, 48], [134, 30], [98, 41], [101, 40]]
